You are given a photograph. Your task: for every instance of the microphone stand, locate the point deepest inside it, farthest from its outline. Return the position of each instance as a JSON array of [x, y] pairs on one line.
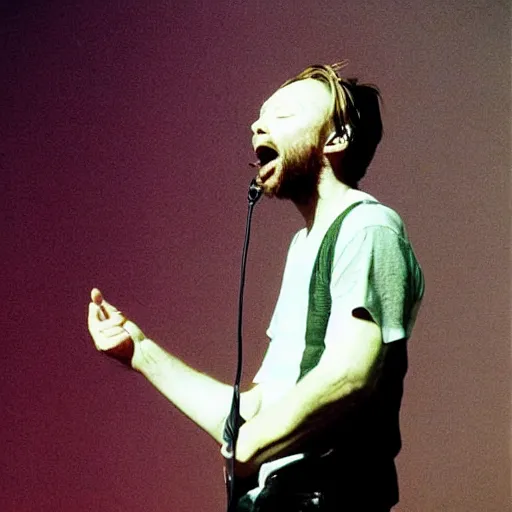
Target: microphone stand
[[234, 421]]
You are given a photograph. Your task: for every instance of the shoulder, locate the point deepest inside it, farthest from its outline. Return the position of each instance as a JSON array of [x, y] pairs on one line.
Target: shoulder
[[374, 216], [373, 228]]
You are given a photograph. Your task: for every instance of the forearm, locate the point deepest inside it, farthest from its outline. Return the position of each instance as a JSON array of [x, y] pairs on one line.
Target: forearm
[[288, 424], [303, 416], [203, 399], [344, 376]]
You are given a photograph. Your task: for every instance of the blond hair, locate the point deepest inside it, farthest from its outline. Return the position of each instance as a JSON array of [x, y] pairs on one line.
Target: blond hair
[[355, 111]]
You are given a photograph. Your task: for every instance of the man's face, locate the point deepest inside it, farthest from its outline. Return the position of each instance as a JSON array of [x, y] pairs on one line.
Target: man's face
[[288, 139]]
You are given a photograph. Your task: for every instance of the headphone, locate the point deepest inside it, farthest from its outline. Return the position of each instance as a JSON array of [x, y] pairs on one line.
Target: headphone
[[344, 137]]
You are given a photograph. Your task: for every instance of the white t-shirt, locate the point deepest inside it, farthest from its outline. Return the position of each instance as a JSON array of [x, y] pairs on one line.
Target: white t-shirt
[[374, 268]]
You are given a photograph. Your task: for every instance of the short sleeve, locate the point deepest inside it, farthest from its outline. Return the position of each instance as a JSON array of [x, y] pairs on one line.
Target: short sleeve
[[377, 270]]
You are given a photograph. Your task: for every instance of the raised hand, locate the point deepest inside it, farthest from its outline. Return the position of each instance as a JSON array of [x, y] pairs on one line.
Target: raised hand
[[112, 333]]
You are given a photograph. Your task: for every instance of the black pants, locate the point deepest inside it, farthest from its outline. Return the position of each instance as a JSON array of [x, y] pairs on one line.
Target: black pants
[[305, 488], [268, 501], [313, 501]]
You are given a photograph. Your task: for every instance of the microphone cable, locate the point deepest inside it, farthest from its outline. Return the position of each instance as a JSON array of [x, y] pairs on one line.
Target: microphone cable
[[234, 421]]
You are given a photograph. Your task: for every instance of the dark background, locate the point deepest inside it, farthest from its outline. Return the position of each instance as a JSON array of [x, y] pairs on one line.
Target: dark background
[[124, 144]]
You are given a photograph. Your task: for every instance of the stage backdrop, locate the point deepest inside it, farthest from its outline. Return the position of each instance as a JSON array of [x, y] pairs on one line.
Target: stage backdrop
[[124, 151]]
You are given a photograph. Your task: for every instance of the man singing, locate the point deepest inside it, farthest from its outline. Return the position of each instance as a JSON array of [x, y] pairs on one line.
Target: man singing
[[321, 427]]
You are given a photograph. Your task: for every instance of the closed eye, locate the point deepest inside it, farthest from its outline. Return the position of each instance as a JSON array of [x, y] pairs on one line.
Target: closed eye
[[281, 114], [277, 112]]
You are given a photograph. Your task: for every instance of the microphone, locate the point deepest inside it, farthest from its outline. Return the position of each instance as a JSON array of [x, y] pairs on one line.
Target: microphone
[[254, 192]]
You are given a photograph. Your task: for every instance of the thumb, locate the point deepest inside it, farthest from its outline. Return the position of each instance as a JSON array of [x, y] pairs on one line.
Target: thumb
[[96, 296], [106, 309]]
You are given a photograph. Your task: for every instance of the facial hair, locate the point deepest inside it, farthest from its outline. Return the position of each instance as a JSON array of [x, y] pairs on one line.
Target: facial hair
[[300, 173]]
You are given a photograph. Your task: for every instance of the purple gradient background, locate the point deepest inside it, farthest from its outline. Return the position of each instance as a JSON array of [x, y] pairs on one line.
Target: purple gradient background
[[124, 142]]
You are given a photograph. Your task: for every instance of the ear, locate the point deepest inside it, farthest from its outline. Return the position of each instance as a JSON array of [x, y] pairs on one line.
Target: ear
[[337, 143]]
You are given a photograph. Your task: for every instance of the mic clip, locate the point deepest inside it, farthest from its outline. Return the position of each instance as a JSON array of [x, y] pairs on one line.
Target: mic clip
[[254, 192]]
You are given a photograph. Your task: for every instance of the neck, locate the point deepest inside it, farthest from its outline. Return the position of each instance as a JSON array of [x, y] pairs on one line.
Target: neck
[[327, 199]]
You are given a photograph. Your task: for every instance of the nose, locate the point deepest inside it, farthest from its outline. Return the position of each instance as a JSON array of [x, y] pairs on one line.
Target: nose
[[259, 127]]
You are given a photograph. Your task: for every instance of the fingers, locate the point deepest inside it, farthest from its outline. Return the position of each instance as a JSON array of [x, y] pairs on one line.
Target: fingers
[[110, 309], [106, 334], [110, 332], [96, 296], [114, 320], [107, 325], [97, 300], [105, 310], [92, 316]]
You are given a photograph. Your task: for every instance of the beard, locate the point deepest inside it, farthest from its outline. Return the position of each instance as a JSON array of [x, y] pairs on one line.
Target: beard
[[300, 173]]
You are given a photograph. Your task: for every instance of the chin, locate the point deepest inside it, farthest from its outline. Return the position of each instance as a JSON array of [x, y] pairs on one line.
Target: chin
[[299, 175], [271, 187]]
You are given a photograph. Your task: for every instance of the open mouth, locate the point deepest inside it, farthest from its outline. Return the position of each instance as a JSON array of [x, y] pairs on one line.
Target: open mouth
[[266, 154]]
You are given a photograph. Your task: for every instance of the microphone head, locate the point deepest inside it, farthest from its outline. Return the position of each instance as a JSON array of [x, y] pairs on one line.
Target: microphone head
[[254, 192]]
